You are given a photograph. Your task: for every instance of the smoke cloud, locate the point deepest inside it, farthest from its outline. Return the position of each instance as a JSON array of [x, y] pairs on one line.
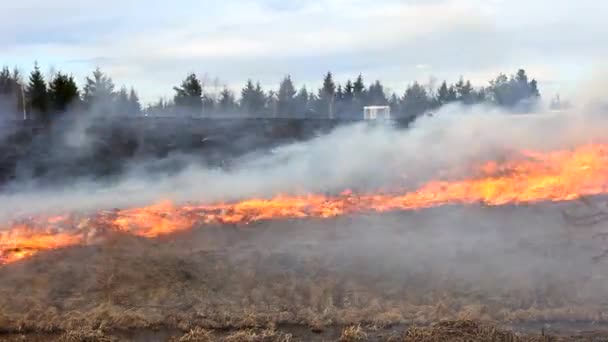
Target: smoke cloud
[[360, 157]]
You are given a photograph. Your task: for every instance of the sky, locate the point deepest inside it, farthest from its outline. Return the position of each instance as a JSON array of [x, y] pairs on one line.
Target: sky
[[152, 45]]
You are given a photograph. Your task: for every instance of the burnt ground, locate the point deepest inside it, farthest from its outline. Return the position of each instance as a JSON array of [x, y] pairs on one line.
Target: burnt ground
[[454, 273]]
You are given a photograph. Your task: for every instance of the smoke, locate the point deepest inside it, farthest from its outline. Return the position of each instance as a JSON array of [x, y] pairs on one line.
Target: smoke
[[508, 263], [359, 157]]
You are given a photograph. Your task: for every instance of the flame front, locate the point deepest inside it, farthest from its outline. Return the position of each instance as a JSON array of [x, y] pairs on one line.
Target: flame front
[[532, 177]]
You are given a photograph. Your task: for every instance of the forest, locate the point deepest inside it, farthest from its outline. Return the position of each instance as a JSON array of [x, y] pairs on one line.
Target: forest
[[40, 116], [35, 97]]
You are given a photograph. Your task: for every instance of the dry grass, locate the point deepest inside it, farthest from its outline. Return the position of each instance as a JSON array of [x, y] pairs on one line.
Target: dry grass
[[223, 279], [353, 333], [268, 335], [466, 331], [196, 335], [85, 335]]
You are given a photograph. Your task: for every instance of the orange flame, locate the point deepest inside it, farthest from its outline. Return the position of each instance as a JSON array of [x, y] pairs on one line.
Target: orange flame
[[533, 177]]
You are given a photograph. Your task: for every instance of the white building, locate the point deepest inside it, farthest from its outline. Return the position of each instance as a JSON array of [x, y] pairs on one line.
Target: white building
[[377, 113]]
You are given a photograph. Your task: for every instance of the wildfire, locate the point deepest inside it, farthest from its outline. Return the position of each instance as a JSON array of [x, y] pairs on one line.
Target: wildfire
[[532, 177]]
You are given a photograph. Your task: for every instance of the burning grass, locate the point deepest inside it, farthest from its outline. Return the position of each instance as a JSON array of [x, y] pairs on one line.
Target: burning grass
[[349, 278], [528, 177]]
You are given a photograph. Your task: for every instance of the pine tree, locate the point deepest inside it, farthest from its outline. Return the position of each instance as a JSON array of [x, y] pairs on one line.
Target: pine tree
[[393, 102], [259, 99], [11, 94], [37, 95], [134, 104], [99, 94], [227, 102], [481, 95], [122, 101], [247, 97], [349, 91], [302, 101], [63, 92], [272, 103], [534, 92], [6, 81], [359, 89], [415, 101], [208, 104], [464, 91], [189, 96], [327, 96], [286, 102], [515, 92], [500, 90], [359, 96], [253, 99], [313, 103], [339, 93], [452, 94], [443, 94], [158, 108], [376, 95], [20, 93]]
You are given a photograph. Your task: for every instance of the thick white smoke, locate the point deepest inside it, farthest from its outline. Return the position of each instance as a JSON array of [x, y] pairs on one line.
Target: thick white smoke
[[360, 156]]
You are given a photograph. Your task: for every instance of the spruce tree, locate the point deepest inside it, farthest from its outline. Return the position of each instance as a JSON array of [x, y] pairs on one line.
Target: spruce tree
[[394, 103], [359, 89], [464, 91], [327, 96], [253, 99], [134, 104], [271, 103], [98, 95], [6, 81], [11, 94], [286, 102], [376, 95], [443, 94], [37, 95], [348, 91], [227, 102], [20, 94], [189, 96], [259, 99], [247, 98], [122, 104], [63, 92], [415, 101], [302, 102]]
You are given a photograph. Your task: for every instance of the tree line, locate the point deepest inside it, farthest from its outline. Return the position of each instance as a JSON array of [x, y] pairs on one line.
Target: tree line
[[43, 100]]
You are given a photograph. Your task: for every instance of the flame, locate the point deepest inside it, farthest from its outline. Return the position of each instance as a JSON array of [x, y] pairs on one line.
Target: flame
[[531, 177], [22, 241]]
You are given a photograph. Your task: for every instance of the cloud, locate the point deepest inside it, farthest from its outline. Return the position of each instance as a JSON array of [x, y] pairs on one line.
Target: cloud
[[152, 45]]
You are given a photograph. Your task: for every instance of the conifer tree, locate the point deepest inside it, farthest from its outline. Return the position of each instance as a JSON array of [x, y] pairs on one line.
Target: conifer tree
[[286, 106], [189, 96], [63, 92], [37, 95]]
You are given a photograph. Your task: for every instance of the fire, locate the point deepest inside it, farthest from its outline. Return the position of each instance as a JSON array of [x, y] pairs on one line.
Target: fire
[[152, 221], [531, 177], [22, 241]]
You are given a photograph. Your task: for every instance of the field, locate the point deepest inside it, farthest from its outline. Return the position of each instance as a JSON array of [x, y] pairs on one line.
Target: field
[[462, 273]]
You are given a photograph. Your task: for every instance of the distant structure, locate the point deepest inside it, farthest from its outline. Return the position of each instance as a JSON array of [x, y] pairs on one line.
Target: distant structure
[[377, 113]]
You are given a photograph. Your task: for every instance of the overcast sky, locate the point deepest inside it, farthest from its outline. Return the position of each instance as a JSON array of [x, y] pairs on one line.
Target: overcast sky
[[153, 44]]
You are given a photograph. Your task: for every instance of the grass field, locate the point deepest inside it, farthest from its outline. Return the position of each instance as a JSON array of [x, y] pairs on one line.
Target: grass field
[[454, 273]]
